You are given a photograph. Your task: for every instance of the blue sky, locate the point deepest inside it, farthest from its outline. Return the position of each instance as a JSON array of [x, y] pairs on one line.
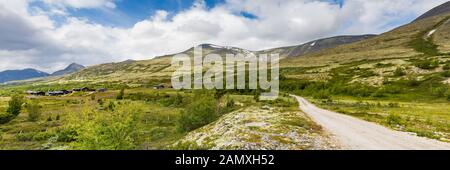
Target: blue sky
[[129, 12]]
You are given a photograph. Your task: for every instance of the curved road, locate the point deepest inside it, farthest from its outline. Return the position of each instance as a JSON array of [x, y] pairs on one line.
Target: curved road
[[357, 134]]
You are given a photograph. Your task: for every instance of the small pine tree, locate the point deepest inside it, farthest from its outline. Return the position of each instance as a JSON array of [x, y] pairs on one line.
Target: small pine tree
[[121, 94]]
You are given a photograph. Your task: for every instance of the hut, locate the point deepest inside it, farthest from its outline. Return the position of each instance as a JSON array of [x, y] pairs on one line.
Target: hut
[[160, 86], [101, 90]]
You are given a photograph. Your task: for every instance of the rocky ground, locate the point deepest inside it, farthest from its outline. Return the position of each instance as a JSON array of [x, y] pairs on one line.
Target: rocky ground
[[259, 128]]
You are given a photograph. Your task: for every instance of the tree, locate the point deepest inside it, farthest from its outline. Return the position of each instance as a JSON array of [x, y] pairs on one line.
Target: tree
[[121, 94], [15, 105], [34, 111], [14, 108]]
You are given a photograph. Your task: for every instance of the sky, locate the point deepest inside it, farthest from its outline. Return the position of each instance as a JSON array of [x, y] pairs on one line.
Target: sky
[[50, 34]]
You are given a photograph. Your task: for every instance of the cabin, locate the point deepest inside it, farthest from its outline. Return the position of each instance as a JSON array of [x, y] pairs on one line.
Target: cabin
[[55, 93], [67, 91], [29, 92], [102, 90], [35, 93], [86, 89], [40, 93], [158, 87]]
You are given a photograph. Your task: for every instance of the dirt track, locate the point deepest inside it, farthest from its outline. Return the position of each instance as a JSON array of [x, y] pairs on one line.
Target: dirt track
[[356, 134]]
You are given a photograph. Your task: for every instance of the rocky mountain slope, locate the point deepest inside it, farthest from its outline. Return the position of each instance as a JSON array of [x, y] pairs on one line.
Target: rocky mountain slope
[[444, 8], [317, 45]]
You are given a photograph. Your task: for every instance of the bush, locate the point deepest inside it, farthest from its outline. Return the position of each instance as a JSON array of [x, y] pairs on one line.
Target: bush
[[15, 105], [399, 72], [117, 130], [121, 94], [24, 137], [448, 95], [394, 120], [322, 95], [199, 113], [41, 136], [446, 74], [5, 118], [14, 108], [34, 111], [427, 64], [67, 135], [446, 67]]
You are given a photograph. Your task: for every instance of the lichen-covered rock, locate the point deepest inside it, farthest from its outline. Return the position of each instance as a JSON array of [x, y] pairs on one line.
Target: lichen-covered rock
[[258, 129]]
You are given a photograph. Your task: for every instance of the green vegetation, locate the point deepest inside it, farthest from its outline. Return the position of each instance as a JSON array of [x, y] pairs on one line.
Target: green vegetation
[[121, 94], [199, 113], [427, 64], [34, 111], [14, 108], [399, 72], [99, 131]]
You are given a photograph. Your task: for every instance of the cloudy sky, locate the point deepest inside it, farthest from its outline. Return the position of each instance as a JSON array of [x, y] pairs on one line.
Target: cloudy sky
[[50, 34]]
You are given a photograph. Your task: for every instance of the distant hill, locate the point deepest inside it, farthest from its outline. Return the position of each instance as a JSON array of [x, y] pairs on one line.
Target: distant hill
[[12, 75], [444, 8], [317, 45], [16, 75], [74, 67]]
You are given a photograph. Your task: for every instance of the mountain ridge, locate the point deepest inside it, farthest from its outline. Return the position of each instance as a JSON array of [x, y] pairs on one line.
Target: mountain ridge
[[443, 8], [30, 73]]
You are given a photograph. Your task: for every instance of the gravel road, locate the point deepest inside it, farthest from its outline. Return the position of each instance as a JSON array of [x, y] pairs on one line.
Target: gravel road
[[356, 134]]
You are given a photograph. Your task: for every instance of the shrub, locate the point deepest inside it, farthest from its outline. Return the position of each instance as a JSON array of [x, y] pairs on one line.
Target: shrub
[[448, 95], [15, 105], [34, 111], [121, 94], [5, 118], [446, 74], [394, 119], [14, 108], [412, 82], [24, 137], [427, 64], [197, 114], [67, 135], [117, 130], [322, 95], [399, 72], [446, 67], [41, 136]]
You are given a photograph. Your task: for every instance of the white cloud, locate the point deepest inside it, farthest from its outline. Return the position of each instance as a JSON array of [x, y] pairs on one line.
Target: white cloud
[[31, 39], [83, 3]]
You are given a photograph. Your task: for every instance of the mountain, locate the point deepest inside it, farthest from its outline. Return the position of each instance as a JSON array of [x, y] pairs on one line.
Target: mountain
[[11, 75], [74, 67], [317, 45], [444, 8], [397, 44]]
